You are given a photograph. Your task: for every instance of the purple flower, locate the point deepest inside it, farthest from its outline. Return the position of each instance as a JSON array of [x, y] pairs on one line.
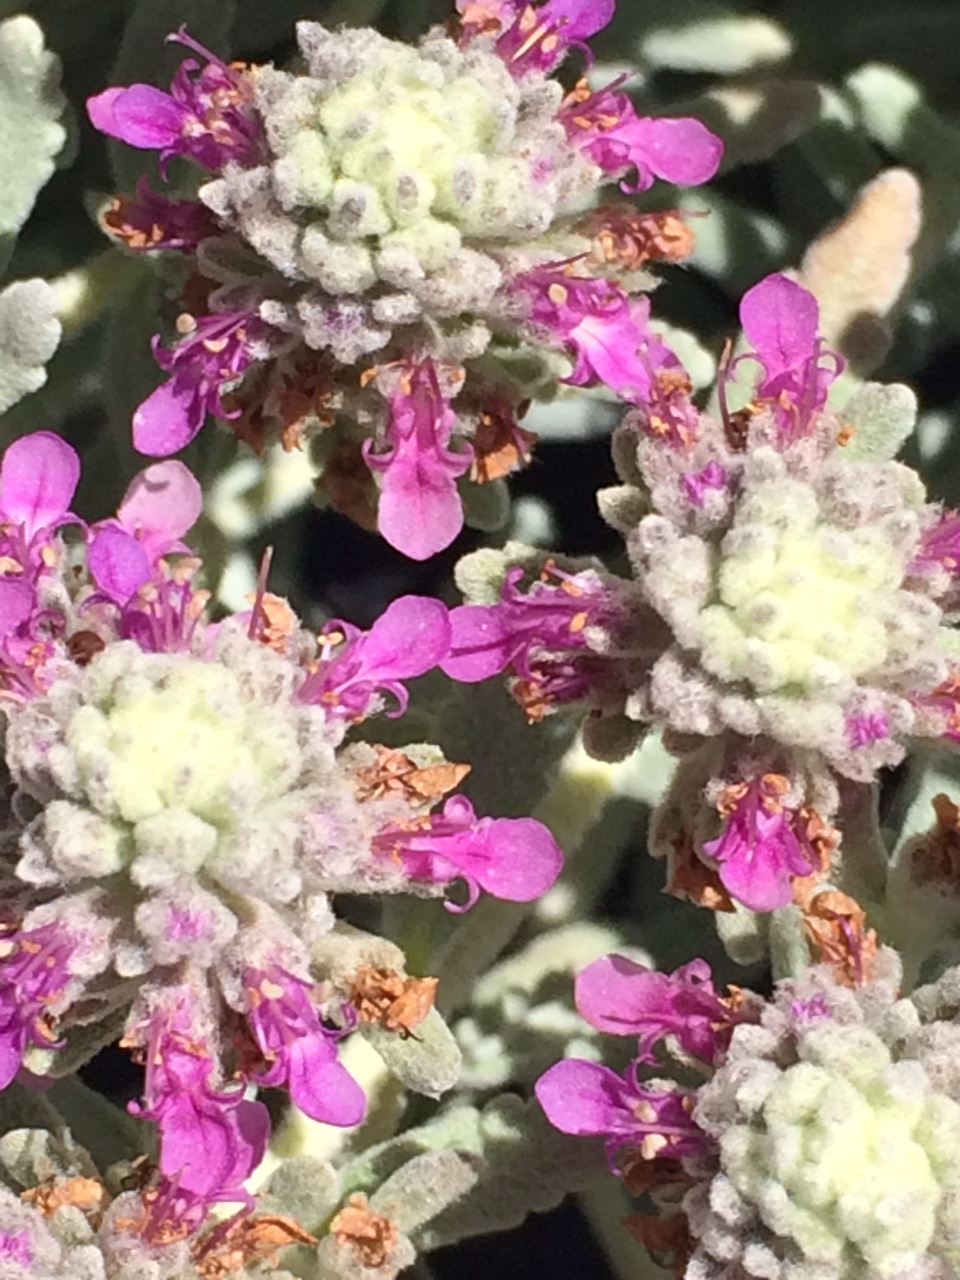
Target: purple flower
[[208, 115], [151, 221], [696, 483], [419, 511], [623, 998], [299, 1052], [207, 359], [516, 859], [409, 638], [762, 845], [605, 328], [780, 320], [866, 727], [535, 37], [540, 635], [16, 1247], [210, 1139], [35, 979], [162, 503], [38, 478], [589, 1100], [606, 126]]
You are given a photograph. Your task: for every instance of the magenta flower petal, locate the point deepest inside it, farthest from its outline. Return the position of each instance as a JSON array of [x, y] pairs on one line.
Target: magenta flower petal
[[517, 861], [168, 419], [320, 1085], [680, 149], [409, 638], [623, 998], [419, 511], [759, 849], [38, 478], [616, 995], [13, 1042], [585, 1099], [210, 1151], [118, 563], [140, 115], [578, 19], [780, 320], [480, 644], [162, 503], [17, 601]]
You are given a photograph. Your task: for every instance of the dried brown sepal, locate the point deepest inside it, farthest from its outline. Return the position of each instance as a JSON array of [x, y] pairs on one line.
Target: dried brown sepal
[[641, 1176], [691, 878], [348, 486], [395, 774], [370, 1236], [276, 621], [89, 1195], [836, 928], [83, 647], [398, 1003], [667, 1238], [259, 1238], [623, 236], [935, 860], [499, 447]]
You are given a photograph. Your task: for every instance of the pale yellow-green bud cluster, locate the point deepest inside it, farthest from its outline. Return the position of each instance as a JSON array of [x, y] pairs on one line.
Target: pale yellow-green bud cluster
[[403, 185], [851, 1156], [804, 603]]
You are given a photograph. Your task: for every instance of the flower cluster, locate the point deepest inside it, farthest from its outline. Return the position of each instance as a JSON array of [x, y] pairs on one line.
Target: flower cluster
[[401, 243], [788, 625], [184, 801], [71, 1228], [822, 1144]]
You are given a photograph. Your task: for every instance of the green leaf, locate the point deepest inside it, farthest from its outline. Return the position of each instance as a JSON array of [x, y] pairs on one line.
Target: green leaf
[[883, 417], [29, 333], [527, 1166], [426, 1061], [31, 134]]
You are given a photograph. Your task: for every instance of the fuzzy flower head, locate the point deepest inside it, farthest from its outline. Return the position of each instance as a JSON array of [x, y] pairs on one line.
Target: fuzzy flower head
[[827, 1129], [797, 601], [70, 1227], [186, 801], [393, 207]]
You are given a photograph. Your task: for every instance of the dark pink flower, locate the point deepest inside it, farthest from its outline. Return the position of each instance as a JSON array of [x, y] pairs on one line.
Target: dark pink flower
[[34, 981], [38, 478], [535, 37], [589, 1100], [866, 727], [299, 1052], [162, 503], [419, 511], [606, 329], [151, 221], [208, 115], [623, 998], [211, 1138], [780, 320], [696, 483], [409, 638], [16, 1247], [204, 363], [606, 126], [762, 845], [512, 858], [539, 635]]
